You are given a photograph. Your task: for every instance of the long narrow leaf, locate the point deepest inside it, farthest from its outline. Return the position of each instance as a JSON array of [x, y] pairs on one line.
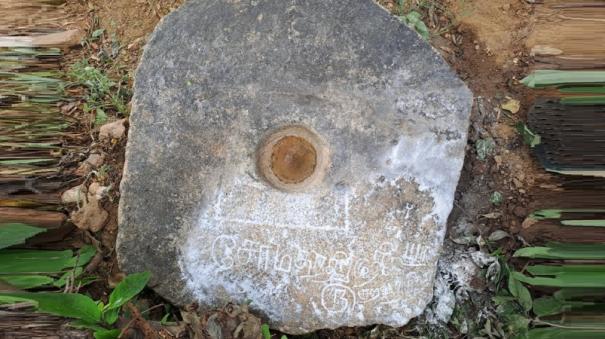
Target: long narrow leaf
[[584, 100], [557, 269], [76, 306], [586, 222], [564, 251], [16, 233], [545, 78], [563, 280], [127, 289], [26, 281], [34, 261]]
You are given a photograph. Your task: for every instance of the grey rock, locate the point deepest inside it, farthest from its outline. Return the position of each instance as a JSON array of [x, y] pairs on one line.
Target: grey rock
[[339, 220]]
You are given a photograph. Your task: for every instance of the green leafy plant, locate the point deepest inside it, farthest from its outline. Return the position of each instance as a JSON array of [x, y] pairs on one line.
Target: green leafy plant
[[519, 291], [564, 251], [413, 19], [87, 313], [576, 306], [265, 331], [102, 93], [530, 138], [484, 148], [26, 269], [16, 233]]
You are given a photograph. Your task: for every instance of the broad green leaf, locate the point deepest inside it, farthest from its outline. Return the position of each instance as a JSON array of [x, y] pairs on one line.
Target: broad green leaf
[[558, 269], [100, 117], [502, 299], [264, 330], [413, 19], [97, 33], [84, 255], [546, 214], [107, 334], [16, 233], [520, 292], [422, 30], [34, 261], [127, 289], [517, 325], [70, 305], [529, 137], [563, 251], [68, 275], [81, 324], [110, 315], [87, 280], [566, 294], [547, 306], [26, 281]]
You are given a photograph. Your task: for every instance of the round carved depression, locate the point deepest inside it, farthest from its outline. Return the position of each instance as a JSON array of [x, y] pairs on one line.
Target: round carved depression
[[293, 158]]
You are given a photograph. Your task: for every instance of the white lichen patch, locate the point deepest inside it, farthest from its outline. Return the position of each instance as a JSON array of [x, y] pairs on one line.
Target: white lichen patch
[[359, 254]]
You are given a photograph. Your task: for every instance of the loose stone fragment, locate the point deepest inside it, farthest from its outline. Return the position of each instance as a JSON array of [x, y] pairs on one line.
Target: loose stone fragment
[[302, 155]]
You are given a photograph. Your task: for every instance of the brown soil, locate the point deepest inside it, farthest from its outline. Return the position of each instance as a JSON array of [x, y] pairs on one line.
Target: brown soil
[[500, 26], [129, 22]]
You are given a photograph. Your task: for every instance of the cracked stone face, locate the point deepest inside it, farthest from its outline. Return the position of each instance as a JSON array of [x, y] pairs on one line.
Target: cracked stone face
[[302, 155]]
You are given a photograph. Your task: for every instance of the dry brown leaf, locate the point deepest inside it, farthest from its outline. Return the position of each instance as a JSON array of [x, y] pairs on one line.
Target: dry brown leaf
[[91, 216], [113, 130], [511, 105]]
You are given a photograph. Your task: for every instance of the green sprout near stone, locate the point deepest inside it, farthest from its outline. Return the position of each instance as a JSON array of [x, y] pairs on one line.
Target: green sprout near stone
[[496, 198]]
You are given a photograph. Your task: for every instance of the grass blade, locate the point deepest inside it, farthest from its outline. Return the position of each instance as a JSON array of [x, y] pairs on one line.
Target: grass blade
[[76, 306], [16, 233], [546, 78], [26, 281], [564, 251]]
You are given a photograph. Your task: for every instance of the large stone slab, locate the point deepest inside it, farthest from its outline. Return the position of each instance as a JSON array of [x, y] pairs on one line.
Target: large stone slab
[[302, 155]]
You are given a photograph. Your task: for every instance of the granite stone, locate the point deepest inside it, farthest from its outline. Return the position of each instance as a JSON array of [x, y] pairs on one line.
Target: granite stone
[[300, 155]]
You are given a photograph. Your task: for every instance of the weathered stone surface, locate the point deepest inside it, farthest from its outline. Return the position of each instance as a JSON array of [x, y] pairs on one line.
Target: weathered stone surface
[[339, 221]]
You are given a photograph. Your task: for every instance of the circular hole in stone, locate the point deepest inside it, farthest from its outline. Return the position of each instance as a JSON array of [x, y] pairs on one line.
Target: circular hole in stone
[[293, 158]]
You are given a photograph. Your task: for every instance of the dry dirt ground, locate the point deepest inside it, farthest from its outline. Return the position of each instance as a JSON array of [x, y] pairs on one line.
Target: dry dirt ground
[[484, 41]]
